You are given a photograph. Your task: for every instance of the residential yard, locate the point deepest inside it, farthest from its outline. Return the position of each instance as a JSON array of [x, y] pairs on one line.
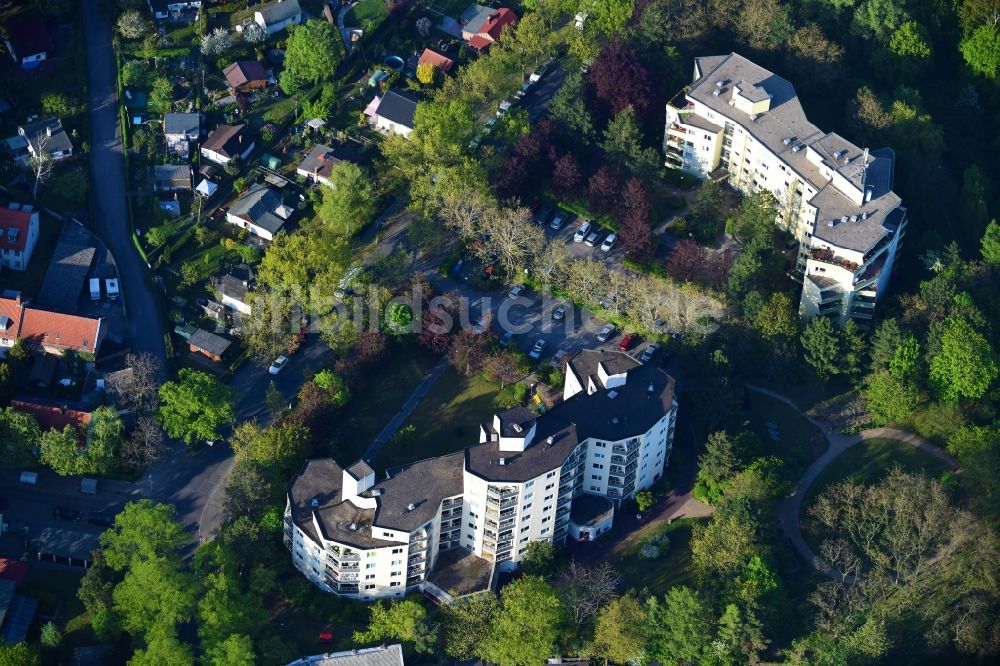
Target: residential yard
[[367, 15], [447, 420], [797, 441], [30, 280], [671, 568], [376, 403]]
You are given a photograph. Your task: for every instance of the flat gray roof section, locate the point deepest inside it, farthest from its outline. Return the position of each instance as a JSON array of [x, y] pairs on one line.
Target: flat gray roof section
[[385, 655], [459, 572], [65, 543], [67, 272], [590, 509]]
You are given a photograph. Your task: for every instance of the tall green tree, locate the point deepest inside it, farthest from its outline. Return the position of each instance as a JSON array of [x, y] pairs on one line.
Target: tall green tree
[[466, 625], [623, 144], [19, 433], [163, 649], [981, 50], [195, 406], [312, 53], [60, 450], [891, 399], [526, 628], [281, 447], [821, 345], [349, 202], [225, 610], [155, 596], [236, 650], [143, 530], [973, 201], [716, 466], [678, 628], [990, 245], [777, 319], [405, 621], [966, 365], [619, 635]]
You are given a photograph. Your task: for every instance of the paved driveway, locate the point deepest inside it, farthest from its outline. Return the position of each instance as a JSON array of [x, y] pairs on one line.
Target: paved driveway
[[142, 304]]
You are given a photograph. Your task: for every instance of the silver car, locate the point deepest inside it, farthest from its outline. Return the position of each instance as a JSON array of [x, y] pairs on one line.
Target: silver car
[[607, 332], [649, 352], [537, 349]]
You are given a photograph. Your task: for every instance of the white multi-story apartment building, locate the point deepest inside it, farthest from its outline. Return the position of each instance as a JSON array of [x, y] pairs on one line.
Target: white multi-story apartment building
[[530, 478], [741, 121]]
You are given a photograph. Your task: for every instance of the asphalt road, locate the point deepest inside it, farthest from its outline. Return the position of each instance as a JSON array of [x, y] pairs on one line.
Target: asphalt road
[[142, 303], [536, 100]]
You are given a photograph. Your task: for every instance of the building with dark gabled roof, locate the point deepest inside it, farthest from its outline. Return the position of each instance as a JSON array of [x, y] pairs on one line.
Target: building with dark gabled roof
[[245, 75], [279, 15], [209, 344], [610, 438], [228, 142], [393, 112], [261, 211], [48, 137], [28, 42], [318, 164]]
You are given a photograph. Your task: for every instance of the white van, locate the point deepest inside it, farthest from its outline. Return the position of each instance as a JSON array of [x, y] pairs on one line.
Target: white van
[[29, 478]]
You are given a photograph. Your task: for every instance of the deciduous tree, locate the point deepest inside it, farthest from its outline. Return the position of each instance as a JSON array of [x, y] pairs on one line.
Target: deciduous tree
[[618, 634], [966, 365], [312, 53], [405, 621], [195, 406], [525, 630], [349, 203]]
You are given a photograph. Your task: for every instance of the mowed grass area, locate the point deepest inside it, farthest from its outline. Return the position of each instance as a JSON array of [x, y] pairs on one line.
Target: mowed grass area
[[367, 14], [799, 441], [376, 403], [447, 420], [868, 461], [672, 568]]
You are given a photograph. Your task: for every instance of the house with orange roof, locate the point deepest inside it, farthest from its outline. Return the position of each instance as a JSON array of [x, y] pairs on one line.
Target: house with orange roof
[[481, 26], [53, 416], [51, 331], [435, 59], [18, 235]]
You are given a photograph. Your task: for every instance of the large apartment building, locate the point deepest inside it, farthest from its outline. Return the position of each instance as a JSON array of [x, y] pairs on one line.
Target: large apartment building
[[530, 478], [739, 121]]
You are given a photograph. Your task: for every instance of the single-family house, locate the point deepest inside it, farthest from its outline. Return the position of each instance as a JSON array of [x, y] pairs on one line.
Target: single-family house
[[47, 136], [278, 15], [49, 330], [317, 164], [481, 26], [234, 286], [208, 344], [245, 75], [261, 211], [163, 9], [179, 129], [393, 112], [28, 42], [18, 234], [228, 142], [171, 178], [55, 416], [441, 62]]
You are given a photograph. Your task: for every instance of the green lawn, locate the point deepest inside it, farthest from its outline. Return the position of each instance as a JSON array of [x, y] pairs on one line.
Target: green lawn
[[375, 404], [799, 443], [367, 14], [868, 461], [447, 420], [672, 568]]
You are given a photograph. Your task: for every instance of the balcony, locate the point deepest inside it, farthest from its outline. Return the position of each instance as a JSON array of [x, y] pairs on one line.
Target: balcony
[[828, 257], [497, 492], [350, 588], [503, 504], [862, 314], [506, 523], [674, 127]]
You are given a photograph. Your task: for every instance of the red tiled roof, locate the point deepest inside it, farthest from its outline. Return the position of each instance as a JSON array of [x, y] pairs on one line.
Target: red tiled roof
[[20, 220], [496, 23], [443, 63], [54, 416], [55, 329], [478, 42], [14, 570], [244, 71], [10, 316], [29, 38]]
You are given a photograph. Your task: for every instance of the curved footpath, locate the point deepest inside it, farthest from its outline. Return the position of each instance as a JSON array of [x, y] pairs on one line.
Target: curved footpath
[[789, 509]]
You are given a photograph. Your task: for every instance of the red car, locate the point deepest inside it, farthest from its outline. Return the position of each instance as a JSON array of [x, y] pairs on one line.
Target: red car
[[628, 341]]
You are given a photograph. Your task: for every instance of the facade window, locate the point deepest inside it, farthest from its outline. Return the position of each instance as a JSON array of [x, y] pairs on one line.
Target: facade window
[[472, 525], [550, 486], [596, 489], [595, 477], [395, 584], [545, 530], [529, 484], [369, 576], [369, 587], [598, 466], [525, 528], [396, 574], [371, 553], [527, 506], [529, 496], [396, 563], [387, 534], [523, 540], [599, 456], [546, 519], [550, 475], [397, 551], [602, 445], [370, 565], [548, 497]]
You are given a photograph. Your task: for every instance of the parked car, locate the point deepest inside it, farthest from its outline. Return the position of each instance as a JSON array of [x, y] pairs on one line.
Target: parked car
[[537, 75], [278, 365], [592, 239], [537, 349], [505, 339], [65, 513], [582, 232], [559, 312], [100, 519], [457, 268], [558, 220], [649, 352], [516, 291], [609, 242], [628, 341], [607, 332]]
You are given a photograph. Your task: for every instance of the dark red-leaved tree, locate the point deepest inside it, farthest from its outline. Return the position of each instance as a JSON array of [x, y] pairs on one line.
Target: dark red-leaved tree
[[513, 179], [619, 79], [603, 191], [372, 348], [435, 334], [687, 261], [567, 183], [636, 221], [718, 266]]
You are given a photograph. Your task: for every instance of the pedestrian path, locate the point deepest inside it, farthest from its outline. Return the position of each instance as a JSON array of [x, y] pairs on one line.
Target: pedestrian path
[[789, 509]]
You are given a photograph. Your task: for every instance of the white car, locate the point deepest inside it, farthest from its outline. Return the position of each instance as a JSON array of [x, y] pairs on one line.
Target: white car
[[582, 232], [609, 242], [278, 365], [537, 75], [536, 351]]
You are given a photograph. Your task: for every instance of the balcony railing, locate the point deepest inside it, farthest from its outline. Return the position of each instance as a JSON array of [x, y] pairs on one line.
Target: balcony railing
[[828, 257]]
